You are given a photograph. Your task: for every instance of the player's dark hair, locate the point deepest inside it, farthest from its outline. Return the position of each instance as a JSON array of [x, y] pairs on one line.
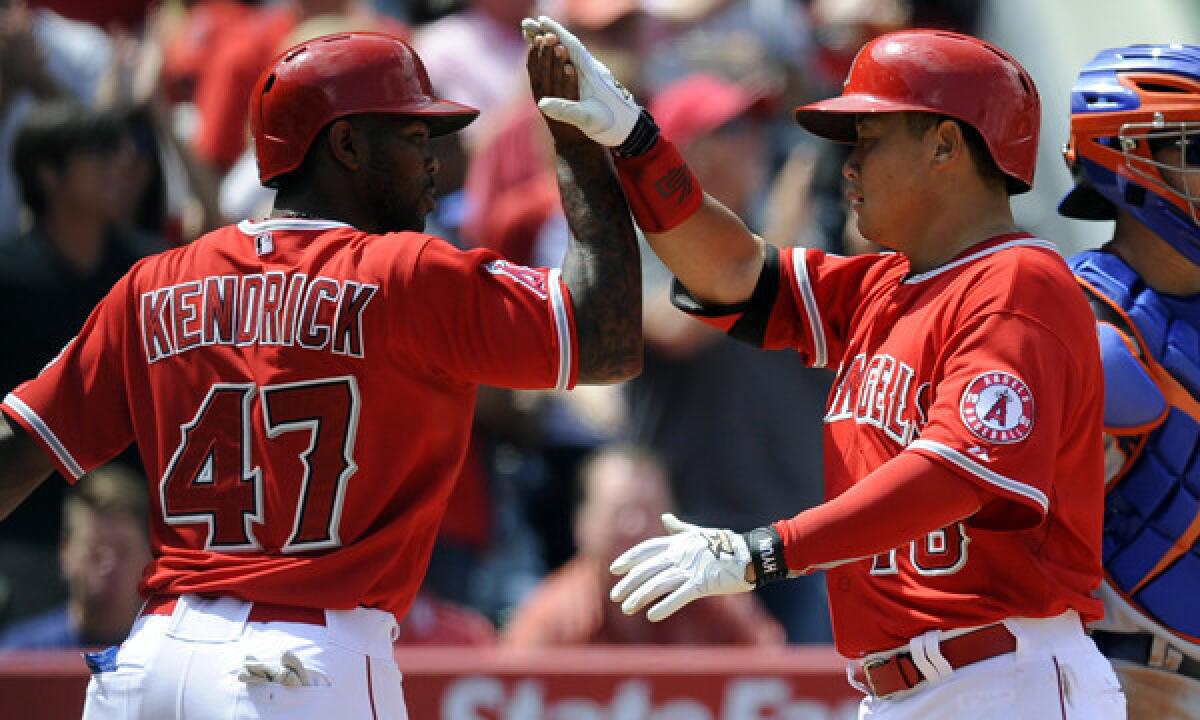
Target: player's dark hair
[[919, 123], [51, 135]]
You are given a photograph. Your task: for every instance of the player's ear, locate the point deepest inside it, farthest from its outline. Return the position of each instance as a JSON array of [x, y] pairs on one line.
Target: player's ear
[[948, 141], [347, 144]]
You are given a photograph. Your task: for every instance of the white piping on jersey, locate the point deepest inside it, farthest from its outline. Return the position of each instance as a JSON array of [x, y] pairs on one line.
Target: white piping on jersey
[[42, 429], [982, 472], [1023, 242], [815, 326], [254, 228], [562, 327]]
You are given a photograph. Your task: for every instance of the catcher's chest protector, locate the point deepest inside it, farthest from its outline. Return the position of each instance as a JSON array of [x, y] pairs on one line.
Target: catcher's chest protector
[[1152, 377]]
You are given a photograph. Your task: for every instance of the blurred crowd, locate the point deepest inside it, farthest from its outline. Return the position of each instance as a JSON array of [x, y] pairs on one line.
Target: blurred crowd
[[123, 132]]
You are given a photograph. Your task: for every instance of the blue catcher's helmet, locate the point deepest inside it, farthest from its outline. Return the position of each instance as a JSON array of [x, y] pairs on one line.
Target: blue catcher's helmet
[[1127, 103]]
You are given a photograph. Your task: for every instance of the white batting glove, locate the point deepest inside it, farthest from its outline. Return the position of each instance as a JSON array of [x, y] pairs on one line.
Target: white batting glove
[[692, 562], [605, 112], [290, 672]]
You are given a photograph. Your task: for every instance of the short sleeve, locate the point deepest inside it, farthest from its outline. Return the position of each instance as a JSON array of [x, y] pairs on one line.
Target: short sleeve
[[998, 411], [478, 318], [805, 299], [77, 406]]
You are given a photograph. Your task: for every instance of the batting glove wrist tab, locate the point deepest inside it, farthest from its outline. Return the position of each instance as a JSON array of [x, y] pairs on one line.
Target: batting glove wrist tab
[[692, 562], [641, 138], [766, 553]]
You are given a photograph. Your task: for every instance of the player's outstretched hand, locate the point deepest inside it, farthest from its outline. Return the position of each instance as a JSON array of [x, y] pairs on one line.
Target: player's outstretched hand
[[603, 109], [551, 75], [692, 562]]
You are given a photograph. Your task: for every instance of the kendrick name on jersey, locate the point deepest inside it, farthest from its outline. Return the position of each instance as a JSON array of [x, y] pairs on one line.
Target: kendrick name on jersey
[[271, 308]]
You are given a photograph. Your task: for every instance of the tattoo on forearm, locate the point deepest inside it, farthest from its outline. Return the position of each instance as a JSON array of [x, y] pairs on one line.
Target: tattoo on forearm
[[602, 267]]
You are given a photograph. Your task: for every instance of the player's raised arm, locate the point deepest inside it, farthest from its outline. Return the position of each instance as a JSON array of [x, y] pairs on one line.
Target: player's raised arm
[[23, 466], [602, 267], [708, 248]]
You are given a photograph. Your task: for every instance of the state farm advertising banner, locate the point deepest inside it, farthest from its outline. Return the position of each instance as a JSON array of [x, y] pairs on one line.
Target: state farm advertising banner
[[453, 683], [623, 684]]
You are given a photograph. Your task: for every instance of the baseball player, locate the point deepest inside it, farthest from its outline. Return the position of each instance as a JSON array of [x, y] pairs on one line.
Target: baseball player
[[961, 535], [1135, 154], [301, 390]]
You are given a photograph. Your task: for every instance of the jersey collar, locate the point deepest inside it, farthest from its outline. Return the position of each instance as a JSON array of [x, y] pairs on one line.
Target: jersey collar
[[983, 249]]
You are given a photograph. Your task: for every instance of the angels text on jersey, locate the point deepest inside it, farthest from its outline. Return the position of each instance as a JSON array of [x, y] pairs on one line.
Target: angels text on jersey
[[881, 392], [271, 308]]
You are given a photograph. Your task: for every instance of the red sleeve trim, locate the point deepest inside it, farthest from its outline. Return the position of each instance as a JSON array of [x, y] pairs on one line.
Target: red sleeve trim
[[563, 312], [17, 411], [816, 324], [991, 480]]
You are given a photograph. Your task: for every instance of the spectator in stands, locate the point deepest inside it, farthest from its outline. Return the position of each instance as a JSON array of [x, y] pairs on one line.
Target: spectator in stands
[[43, 57], [512, 206], [434, 621], [739, 429], [102, 553], [682, 37], [477, 55], [190, 32], [72, 164], [171, 194], [223, 89], [625, 490]]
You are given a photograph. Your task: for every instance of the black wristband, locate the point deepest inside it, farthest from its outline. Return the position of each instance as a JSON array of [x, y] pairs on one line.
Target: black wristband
[[766, 552], [641, 138]]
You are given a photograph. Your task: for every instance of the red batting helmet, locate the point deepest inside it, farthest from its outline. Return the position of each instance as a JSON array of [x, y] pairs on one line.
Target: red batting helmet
[[945, 73], [318, 81]]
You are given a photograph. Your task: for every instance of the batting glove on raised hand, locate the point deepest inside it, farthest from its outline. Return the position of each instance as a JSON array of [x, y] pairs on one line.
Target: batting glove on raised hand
[[605, 112], [692, 562]]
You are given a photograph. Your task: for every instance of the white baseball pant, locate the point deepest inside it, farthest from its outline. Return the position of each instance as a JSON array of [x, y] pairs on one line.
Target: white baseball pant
[[192, 664], [1056, 673]]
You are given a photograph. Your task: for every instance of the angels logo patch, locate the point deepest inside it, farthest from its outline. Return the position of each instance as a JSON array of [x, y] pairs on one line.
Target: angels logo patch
[[528, 277], [998, 407]]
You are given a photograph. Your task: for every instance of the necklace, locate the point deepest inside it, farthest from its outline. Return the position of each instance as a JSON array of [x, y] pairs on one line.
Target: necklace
[[295, 214]]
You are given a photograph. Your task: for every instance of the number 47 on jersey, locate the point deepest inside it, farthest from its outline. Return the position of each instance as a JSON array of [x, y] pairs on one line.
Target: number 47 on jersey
[[212, 478]]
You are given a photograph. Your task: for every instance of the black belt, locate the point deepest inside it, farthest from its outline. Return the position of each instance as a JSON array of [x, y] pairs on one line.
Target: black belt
[[1137, 648]]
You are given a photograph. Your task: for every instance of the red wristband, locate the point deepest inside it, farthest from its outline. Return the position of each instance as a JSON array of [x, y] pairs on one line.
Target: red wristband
[[660, 187]]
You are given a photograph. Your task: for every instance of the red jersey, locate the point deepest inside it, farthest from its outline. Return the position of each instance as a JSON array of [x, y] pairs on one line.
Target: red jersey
[[302, 394], [988, 365]]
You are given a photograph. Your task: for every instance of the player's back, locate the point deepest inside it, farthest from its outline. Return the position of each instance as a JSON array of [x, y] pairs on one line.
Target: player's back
[[303, 446]]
